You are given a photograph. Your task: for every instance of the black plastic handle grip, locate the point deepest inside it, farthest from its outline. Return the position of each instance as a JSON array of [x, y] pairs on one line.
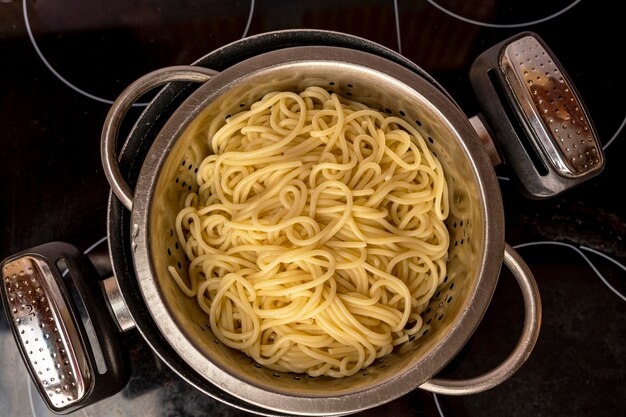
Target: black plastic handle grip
[[62, 325], [540, 123]]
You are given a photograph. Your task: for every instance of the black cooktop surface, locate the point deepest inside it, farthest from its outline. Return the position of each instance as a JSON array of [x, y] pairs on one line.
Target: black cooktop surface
[[65, 62]]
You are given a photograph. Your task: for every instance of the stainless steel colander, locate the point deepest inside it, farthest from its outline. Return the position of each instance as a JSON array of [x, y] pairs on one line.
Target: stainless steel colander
[[475, 224], [530, 121]]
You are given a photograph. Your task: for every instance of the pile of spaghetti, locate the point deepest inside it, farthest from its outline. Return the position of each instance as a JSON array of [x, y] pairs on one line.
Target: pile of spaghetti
[[316, 236]]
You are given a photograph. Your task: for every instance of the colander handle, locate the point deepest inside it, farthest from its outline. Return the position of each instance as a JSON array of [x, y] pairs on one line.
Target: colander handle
[[113, 121], [525, 344]]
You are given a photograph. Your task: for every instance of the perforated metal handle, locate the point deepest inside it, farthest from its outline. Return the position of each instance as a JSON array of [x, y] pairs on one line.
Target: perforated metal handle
[[108, 144], [525, 344], [539, 120], [62, 327]]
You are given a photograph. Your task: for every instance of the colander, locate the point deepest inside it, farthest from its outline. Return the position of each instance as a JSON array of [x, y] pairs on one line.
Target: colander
[[178, 329]]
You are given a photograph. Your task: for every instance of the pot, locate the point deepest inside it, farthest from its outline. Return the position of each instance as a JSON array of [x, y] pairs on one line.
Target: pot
[[156, 167]]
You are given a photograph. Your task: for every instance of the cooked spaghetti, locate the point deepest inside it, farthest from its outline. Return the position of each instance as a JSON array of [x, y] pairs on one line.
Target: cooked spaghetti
[[316, 236]]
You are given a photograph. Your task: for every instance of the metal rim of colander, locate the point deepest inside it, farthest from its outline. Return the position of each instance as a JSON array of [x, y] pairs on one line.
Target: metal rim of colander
[[490, 210]]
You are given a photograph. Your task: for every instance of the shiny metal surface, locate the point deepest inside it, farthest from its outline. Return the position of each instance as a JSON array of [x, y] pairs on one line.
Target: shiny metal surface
[[117, 305], [486, 138], [476, 227], [46, 332], [552, 110], [108, 143], [523, 348]]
